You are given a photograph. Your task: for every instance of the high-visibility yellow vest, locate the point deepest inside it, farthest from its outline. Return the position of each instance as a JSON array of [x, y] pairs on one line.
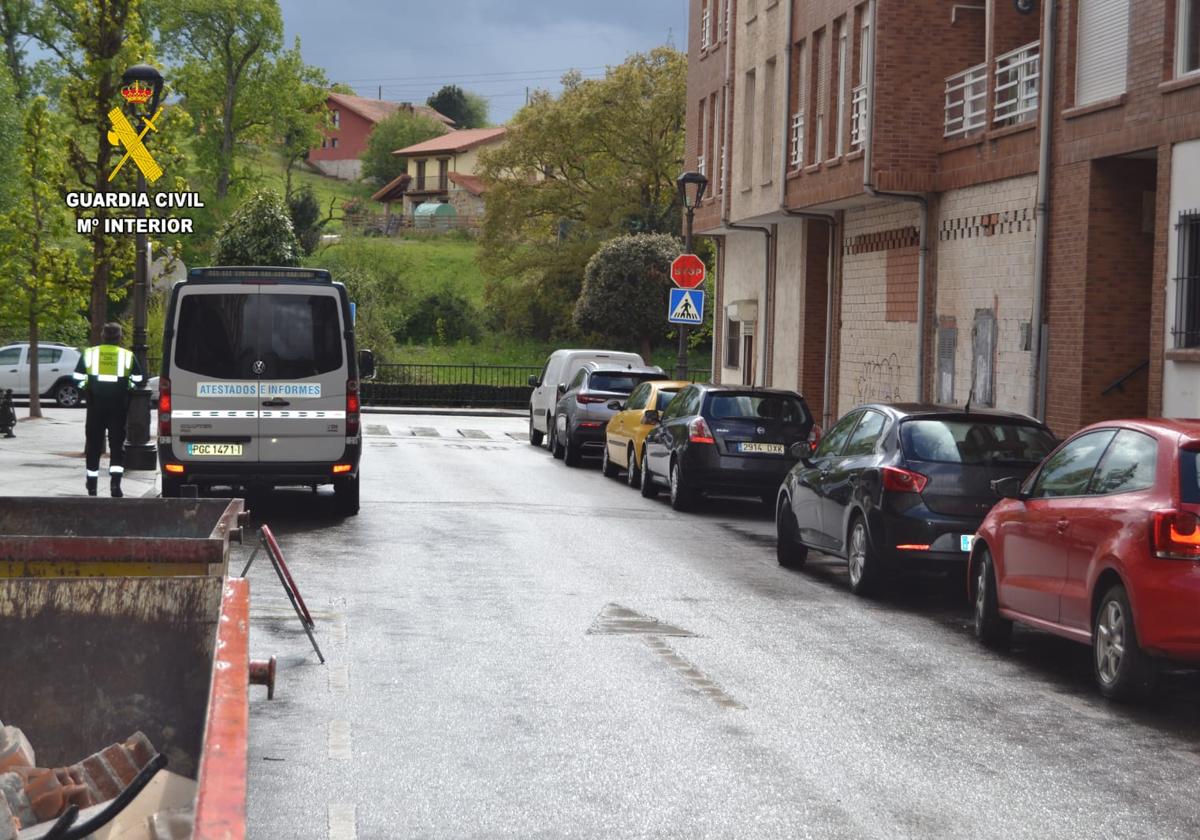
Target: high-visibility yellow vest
[[107, 362]]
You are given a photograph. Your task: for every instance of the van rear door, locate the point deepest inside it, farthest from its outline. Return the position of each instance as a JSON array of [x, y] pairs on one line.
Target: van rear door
[[302, 388], [214, 388]]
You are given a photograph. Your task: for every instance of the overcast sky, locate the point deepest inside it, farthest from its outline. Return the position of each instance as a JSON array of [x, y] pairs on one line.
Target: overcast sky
[[493, 47]]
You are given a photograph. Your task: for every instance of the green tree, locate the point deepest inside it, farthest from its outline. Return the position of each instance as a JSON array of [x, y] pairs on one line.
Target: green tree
[[305, 213], [47, 282], [17, 24], [92, 42], [598, 161], [401, 129], [10, 138], [238, 83], [468, 110], [258, 233], [625, 289], [300, 115]]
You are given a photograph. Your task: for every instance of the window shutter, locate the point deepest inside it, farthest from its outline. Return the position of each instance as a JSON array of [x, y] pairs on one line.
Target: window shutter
[[1103, 51]]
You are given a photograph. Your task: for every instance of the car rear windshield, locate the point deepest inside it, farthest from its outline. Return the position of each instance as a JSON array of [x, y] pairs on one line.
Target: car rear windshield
[[757, 407], [975, 441], [223, 335], [618, 383], [1189, 476], [664, 399]]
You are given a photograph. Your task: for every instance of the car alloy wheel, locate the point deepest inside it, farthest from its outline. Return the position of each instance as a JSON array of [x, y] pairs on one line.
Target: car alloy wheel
[[607, 467], [1123, 670], [1110, 642], [649, 488], [990, 627], [67, 395], [788, 549], [633, 476], [860, 561], [681, 494]]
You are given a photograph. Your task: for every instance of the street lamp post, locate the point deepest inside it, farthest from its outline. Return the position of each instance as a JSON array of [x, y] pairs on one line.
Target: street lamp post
[[691, 187], [140, 453]]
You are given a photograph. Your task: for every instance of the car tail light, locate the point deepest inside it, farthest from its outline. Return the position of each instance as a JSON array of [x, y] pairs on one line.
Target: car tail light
[[913, 547], [814, 437], [353, 407], [174, 468], [590, 424], [339, 469], [164, 407], [896, 480], [585, 399], [698, 432], [1176, 535]]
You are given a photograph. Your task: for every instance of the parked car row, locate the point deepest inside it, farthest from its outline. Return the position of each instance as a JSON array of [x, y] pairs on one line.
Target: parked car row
[[1096, 539]]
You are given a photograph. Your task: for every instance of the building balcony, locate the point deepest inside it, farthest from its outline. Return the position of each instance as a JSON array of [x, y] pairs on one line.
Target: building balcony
[[1015, 79], [966, 102]]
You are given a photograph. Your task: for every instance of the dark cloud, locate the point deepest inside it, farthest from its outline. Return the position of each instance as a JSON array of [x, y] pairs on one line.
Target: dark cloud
[[496, 48]]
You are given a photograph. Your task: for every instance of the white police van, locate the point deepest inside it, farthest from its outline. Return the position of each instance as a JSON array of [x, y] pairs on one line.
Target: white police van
[[259, 385]]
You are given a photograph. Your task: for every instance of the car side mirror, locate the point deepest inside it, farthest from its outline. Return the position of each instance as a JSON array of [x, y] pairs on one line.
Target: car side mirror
[[534, 381], [366, 364], [1007, 488], [651, 418], [801, 450], [616, 405]]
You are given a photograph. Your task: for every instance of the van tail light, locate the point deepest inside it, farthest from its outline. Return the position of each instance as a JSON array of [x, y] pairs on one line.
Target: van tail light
[[698, 432], [585, 399], [896, 480], [1176, 535], [353, 407], [164, 407]]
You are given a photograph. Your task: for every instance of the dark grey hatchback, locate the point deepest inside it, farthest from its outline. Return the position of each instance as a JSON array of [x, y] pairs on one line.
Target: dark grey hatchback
[[724, 439], [902, 486]]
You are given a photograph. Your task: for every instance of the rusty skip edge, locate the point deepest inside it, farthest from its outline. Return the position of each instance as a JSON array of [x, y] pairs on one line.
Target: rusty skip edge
[[221, 798]]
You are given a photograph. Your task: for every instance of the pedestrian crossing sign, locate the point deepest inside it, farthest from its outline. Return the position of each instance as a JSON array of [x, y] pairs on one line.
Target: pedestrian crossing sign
[[686, 306]]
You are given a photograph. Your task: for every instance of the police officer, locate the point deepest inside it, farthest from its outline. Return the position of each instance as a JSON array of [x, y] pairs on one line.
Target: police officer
[[107, 373]]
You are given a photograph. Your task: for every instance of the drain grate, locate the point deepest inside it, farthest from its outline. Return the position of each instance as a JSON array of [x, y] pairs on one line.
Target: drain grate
[[616, 620]]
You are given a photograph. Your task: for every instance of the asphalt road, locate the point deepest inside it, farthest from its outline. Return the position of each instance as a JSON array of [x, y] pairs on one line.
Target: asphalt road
[[520, 649]]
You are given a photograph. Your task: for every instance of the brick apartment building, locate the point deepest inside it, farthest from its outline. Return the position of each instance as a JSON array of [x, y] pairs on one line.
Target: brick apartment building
[[875, 192]]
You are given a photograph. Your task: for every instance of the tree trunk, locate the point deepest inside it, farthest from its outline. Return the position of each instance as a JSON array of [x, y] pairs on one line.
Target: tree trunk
[[35, 387], [645, 348], [98, 308], [225, 161]]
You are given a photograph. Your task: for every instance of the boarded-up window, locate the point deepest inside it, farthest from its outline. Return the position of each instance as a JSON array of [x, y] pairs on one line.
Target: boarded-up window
[[983, 356], [947, 344]]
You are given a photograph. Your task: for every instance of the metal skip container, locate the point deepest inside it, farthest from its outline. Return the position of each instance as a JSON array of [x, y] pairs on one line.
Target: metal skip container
[[117, 616]]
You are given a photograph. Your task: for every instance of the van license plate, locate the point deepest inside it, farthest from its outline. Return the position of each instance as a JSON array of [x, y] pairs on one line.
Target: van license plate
[[218, 449], [766, 448], [966, 541]]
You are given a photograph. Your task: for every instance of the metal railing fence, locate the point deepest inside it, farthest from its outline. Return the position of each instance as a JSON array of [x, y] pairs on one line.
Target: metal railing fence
[[966, 101]]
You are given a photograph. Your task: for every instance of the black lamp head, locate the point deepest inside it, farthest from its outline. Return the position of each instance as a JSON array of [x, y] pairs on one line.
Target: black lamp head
[[691, 188]]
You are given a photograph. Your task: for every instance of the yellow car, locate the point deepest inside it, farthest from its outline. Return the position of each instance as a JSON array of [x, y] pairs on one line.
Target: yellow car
[[625, 435]]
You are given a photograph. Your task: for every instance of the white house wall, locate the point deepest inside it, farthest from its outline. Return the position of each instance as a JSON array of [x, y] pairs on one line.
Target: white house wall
[[1181, 380], [789, 305], [744, 265]]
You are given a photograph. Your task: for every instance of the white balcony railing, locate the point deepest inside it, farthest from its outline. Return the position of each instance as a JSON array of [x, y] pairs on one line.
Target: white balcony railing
[[702, 165], [858, 117], [966, 101], [1017, 75], [796, 158]]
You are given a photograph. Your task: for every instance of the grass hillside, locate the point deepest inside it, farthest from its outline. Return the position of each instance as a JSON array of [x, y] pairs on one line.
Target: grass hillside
[[268, 170]]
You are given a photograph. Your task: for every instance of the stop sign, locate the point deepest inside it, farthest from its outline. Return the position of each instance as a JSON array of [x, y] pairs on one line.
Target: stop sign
[[687, 271]]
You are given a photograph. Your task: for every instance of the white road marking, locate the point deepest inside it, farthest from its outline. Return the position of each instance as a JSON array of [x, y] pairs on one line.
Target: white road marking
[[340, 741], [339, 679], [342, 821]]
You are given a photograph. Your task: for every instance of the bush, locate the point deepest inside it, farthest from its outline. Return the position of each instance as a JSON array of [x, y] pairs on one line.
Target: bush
[[305, 213], [258, 233], [441, 317]]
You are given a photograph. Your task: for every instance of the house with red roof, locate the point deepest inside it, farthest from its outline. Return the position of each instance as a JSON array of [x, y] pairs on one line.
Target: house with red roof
[[443, 170], [351, 121]]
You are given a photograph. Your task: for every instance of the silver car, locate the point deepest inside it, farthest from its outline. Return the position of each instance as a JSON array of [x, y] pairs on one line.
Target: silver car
[[589, 401], [56, 363]]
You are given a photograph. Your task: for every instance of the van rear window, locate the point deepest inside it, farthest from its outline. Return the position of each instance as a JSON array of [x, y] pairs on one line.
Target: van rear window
[[295, 336], [619, 383]]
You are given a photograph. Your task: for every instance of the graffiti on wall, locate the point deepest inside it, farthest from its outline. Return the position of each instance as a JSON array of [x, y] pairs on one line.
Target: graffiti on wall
[[879, 380]]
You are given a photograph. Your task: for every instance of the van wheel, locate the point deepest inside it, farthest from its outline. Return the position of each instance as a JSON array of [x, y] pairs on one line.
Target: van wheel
[[649, 488], [535, 437], [171, 486], [1123, 670], [345, 496]]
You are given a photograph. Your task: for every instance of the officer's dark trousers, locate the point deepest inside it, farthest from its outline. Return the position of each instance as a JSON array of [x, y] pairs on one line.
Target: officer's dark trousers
[[106, 416]]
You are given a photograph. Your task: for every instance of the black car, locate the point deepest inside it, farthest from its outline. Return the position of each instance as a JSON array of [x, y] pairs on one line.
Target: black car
[[902, 486], [583, 409], [726, 439]]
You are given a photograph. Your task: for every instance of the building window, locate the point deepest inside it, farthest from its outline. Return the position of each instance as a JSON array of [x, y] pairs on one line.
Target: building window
[[337, 118], [324, 142], [821, 54], [1187, 281], [733, 343], [420, 175], [1103, 60], [858, 111], [796, 149], [333, 142], [748, 131], [443, 174], [702, 153], [705, 25], [1188, 51], [843, 83], [768, 124]]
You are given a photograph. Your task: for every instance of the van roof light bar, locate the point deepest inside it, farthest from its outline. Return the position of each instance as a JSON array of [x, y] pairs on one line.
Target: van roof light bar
[[266, 273]]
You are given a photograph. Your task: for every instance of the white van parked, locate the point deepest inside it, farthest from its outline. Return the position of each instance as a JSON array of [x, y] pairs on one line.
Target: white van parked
[[552, 384], [259, 383]]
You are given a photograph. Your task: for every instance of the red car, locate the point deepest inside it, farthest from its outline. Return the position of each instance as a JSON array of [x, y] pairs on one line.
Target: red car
[[1100, 544]]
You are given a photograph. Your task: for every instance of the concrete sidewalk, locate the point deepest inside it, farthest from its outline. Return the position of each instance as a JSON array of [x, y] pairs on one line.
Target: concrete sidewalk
[[46, 459]]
